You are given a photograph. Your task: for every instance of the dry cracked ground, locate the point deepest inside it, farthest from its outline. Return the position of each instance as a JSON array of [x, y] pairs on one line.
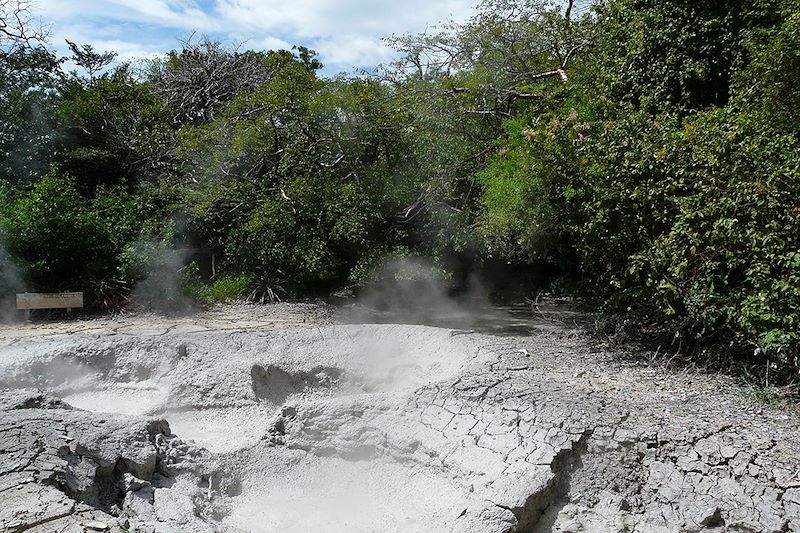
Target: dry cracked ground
[[283, 419]]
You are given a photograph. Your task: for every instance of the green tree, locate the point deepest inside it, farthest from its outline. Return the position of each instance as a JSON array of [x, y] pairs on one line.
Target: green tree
[[89, 60], [55, 233], [28, 74]]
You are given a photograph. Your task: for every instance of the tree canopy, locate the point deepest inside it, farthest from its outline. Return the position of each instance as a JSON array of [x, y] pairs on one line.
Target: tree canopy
[[643, 156]]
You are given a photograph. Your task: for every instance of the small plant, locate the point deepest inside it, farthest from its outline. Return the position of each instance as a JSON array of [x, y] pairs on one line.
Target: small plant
[[229, 287], [766, 395]]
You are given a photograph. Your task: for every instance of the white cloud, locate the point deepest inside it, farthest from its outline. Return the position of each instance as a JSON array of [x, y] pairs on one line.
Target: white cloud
[[129, 51], [269, 43], [180, 14], [327, 18], [346, 33], [165, 13], [346, 52]]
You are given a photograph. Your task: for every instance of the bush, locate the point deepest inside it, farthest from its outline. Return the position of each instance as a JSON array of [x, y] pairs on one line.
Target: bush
[[729, 265], [308, 238], [229, 287], [61, 241], [668, 186]]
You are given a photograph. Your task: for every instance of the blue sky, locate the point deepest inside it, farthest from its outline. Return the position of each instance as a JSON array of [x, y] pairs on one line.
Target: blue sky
[[346, 33]]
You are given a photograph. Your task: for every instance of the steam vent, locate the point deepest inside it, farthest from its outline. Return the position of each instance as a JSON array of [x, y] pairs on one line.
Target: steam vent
[[300, 424]]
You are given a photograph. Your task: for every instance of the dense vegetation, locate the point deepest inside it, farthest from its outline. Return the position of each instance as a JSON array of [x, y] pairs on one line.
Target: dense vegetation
[[644, 156]]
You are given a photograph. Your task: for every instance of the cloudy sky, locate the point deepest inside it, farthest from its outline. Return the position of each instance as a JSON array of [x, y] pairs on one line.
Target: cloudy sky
[[346, 33]]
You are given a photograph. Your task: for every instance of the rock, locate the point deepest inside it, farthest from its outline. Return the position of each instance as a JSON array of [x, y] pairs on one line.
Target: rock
[[710, 516], [139, 503], [132, 483], [26, 506], [96, 526], [81, 472]]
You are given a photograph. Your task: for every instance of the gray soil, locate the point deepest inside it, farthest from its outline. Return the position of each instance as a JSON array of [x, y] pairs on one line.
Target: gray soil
[[283, 419]]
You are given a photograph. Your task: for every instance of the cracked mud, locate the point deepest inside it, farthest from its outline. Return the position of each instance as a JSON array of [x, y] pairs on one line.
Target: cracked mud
[[306, 425]]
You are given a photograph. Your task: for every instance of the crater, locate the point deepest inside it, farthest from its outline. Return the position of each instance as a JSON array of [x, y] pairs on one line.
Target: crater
[[119, 398]]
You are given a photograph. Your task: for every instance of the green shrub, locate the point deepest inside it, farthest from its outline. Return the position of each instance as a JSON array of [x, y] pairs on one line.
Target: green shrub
[[309, 237], [653, 200], [729, 264], [229, 287], [60, 240]]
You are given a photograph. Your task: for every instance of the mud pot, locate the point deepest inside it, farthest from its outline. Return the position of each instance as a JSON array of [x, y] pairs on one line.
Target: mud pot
[[300, 424]]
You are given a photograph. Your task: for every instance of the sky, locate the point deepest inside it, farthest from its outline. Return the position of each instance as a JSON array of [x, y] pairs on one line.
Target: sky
[[346, 33]]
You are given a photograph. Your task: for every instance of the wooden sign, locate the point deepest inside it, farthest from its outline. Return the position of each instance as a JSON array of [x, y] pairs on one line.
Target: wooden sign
[[61, 300]]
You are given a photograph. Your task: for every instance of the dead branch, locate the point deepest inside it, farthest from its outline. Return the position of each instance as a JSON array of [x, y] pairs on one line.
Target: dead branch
[[17, 26]]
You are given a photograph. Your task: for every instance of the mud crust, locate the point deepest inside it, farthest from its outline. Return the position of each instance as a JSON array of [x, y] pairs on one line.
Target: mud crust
[[330, 427]]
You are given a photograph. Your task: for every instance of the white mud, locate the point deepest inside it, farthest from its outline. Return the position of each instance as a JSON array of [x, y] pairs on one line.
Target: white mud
[[309, 426]]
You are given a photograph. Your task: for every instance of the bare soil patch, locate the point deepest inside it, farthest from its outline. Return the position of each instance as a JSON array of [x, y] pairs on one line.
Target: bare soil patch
[[282, 418]]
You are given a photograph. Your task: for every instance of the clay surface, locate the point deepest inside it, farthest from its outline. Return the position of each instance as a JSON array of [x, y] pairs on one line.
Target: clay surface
[[281, 419]]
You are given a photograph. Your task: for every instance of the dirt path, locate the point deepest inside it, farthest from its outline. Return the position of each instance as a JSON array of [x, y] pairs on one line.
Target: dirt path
[[280, 418], [220, 317]]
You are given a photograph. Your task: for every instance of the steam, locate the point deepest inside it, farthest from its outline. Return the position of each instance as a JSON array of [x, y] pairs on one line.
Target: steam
[[412, 290], [415, 291], [163, 273], [11, 282]]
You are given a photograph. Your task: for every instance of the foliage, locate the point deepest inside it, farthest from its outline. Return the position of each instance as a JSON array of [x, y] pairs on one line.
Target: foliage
[[58, 236], [644, 155], [769, 82], [670, 178], [28, 137], [89, 60], [198, 81], [308, 239], [229, 287], [671, 55], [114, 129]]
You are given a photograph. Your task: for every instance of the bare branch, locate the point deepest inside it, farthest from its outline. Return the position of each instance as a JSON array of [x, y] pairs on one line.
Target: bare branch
[[521, 95], [18, 29], [205, 75]]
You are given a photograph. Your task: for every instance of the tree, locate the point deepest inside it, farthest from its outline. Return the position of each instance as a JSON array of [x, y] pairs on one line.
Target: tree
[[114, 129], [204, 76], [500, 55], [92, 62], [664, 181], [769, 82], [459, 83], [28, 73], [308, 58], [676, 55]]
